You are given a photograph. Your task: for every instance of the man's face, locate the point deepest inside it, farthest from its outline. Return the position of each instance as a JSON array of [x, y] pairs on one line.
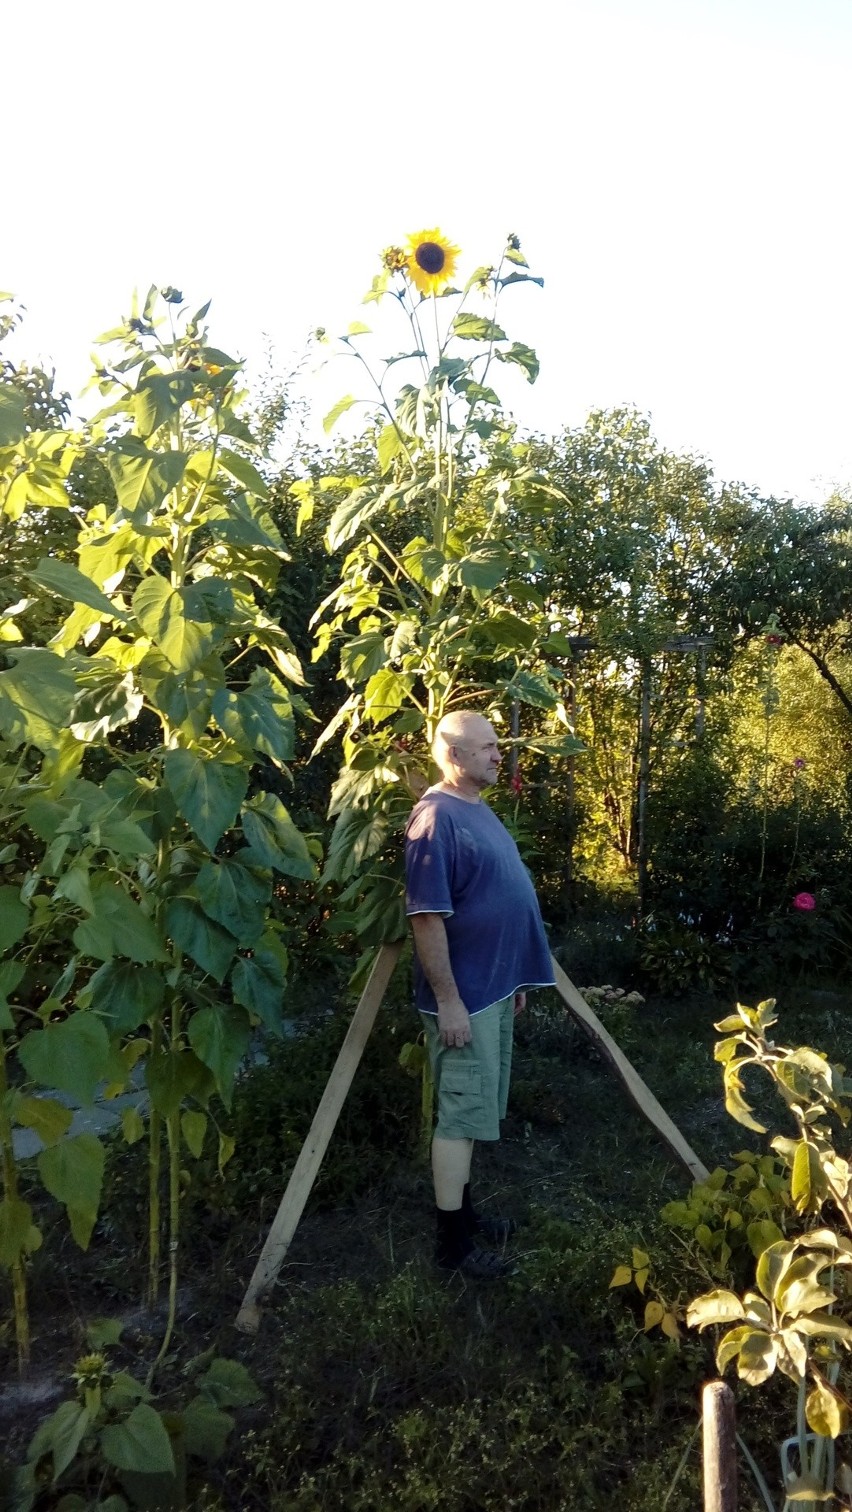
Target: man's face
[[477, 754]]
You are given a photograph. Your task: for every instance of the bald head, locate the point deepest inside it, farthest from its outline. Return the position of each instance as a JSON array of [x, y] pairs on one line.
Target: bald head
[[466, 751]]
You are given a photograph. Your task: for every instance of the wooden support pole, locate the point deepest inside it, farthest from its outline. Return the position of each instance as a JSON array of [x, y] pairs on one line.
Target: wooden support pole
[[636, 1089], [571, 789], [720, 1448], [305, 1170], [701, 691], [642, 790], [516, 730]]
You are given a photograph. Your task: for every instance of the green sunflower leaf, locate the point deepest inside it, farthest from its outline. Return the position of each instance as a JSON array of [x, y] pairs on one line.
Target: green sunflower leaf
[[389, 444], [142, 478], [338, 409], [522, 356], [209, 945], [125, 994], [48, 1118], [15, 1223], [140, 1443], [173, 1075], [274, 838], [194, 1127], [476, 328], [36, 695], [208, 793], [512, 278], [207, 1428], [13, 416], [14, 917], [162, 613], [66, 580], [220, 1037], [73, 1172], [72, 1056], [258, 982], [234, 897], [242, 471], [260, 718]]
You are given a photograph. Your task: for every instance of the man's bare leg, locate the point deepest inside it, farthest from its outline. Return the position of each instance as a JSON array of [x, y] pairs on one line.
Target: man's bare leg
[[451, 1171]]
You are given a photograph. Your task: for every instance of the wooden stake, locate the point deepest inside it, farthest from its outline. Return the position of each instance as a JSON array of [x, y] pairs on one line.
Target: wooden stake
[[304, 1172], [642, 790], [636, 1089], [720, 1448]]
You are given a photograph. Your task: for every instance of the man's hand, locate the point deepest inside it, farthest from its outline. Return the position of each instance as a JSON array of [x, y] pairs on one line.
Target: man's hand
[[453, 1023], [520, 1002]]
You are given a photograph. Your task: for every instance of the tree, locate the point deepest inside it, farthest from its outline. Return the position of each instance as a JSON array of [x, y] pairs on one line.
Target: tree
[[794, 562]]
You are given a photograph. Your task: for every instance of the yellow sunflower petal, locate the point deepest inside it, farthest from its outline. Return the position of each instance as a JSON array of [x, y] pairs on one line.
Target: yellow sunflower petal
[[431, 261]]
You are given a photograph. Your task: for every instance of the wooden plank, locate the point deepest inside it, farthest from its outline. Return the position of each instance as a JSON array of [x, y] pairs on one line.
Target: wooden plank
[[720, 1447], [305, 1171], [636, 1089]]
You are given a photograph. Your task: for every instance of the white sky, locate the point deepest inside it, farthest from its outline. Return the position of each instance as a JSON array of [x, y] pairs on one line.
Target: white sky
[[678, 170]]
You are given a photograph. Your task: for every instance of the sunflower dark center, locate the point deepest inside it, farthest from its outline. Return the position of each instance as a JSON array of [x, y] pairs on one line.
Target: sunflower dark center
[[430, 256]]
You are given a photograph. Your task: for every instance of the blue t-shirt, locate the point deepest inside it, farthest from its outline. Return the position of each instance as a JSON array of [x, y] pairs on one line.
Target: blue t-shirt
[[460, 861]]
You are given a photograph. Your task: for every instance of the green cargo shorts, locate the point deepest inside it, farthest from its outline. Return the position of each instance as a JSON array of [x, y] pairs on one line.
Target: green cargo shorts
[[472, 1082]]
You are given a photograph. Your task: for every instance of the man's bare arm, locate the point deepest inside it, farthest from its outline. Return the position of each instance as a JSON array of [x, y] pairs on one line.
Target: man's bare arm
[[430, 942]]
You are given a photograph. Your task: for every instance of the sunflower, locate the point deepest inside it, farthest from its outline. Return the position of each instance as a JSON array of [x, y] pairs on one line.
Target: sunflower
[[431, 261], [395, 259]]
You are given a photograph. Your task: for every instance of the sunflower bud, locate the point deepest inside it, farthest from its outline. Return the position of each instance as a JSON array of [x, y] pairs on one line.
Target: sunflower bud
[[395, 259], [89, 1371]]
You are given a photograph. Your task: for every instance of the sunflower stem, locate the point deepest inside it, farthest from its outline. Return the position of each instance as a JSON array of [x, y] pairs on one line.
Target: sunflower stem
[[10, 1193]]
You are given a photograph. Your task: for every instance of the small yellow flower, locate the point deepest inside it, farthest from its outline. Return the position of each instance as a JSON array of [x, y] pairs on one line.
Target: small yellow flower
[[431, 261], [395, 259]]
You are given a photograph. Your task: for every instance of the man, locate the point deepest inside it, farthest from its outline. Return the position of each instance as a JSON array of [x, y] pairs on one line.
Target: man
[[479, 943]]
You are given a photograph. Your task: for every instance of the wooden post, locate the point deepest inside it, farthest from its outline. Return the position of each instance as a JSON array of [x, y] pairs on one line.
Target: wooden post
[[516, 730], [304, 1172], [636, 1089], [571, 788], [720, 1448], [701, 691], [642, 792]]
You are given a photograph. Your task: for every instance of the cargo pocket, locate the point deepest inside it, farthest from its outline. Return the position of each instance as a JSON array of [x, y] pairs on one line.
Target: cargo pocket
[[459, 1097]]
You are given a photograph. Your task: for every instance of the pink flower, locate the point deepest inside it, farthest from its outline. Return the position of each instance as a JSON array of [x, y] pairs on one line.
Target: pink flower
[[517, 784], [804, 901], [799, 764]]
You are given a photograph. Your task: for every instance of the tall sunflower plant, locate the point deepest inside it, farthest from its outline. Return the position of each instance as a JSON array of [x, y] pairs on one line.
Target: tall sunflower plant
[[142, 754], [441, 601]]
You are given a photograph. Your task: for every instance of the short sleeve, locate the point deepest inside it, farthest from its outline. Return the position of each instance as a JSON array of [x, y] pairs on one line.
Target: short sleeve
[[428, 863]]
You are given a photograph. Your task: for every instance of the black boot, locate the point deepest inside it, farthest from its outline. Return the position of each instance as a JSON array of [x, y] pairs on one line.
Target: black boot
[[455, 1248]]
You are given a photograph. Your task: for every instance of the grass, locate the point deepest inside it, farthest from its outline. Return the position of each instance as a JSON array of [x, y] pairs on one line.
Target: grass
[[390, 1385]]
